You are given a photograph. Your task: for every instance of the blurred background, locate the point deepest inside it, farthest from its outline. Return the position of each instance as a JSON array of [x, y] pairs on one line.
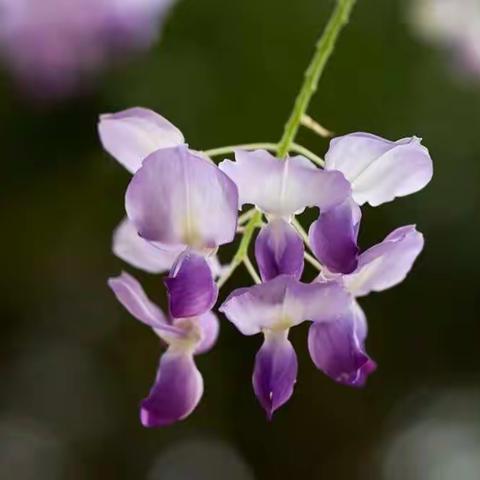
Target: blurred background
[[74, 365]]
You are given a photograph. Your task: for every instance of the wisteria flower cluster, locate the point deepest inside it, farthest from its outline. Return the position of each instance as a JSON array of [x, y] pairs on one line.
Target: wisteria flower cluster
[[52, 46], [181, 207]]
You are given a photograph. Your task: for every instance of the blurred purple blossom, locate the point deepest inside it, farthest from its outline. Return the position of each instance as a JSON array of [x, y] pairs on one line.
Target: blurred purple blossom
[[53, 46]]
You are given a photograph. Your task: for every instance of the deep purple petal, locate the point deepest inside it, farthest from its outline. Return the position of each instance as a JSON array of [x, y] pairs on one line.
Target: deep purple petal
[[337, 348], [282, 303], [177, 391], [387, 263], [333, 237], [279, 249], [283, 188], [275, 371], [191, 288], [378, 169], [179, 197], [136, 251], [133, 134], [130, 294]]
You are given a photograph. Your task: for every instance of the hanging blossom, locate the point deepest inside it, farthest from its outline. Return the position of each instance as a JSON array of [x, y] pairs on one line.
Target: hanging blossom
[[374, 171], [51, 46], [131, 136], [178, 385], [453, 25], [180, 208]]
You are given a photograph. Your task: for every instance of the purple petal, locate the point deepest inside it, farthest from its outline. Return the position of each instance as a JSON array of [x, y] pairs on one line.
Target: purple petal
[[337, 348], [136, 251], [282, 303], [378, 169], [279, 249], [333, 237], [130, 294], [283, 188], [275, 371], [133, 134], [177, 391], [387, 263], [191, 288], [209, 327], [178, 197]]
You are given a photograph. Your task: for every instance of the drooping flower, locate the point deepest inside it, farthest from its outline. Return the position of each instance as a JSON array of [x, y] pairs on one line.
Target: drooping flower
[[178, 197], [337, 348], [453, 25], [178, 385], [273, 308], [131, 136], [53, 46], [379, 171], [282, 189]]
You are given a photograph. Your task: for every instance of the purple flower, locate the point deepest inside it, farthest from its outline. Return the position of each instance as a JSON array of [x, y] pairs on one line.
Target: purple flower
[[51, 46], [279, 249], [273, 308], [282, 189], [337, 348], [134, 134], [380, 170], [178, 385], [178, 197]]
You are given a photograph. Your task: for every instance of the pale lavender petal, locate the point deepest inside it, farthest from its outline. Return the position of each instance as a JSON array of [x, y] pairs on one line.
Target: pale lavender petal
[[337, 348], [136, 251], [333, 237], [279, 249], [209, 327], [387, 263], [284, 187], [275, 371], [282, 303], [178, 197], [191, 288], [177, 391], [130, 294], [378, 169], [133, 134]]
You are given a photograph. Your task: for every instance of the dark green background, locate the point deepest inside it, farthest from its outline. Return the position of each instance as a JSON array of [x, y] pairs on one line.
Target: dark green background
[[74, 365]]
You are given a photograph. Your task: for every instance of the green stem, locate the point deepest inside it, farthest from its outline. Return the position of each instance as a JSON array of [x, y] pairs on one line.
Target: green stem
[[242, 251], [314, 71], [322, 53], [294, 147]]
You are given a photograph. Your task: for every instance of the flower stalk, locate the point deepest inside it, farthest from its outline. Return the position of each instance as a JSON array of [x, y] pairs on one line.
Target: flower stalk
[[323, 51]]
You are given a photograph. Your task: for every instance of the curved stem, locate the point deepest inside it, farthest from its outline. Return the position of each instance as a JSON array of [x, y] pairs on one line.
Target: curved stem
[[323, 51], [242, 251], [294, 147]]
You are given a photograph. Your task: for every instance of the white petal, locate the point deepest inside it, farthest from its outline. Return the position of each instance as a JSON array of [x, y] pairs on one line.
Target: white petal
[[378, 169]]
